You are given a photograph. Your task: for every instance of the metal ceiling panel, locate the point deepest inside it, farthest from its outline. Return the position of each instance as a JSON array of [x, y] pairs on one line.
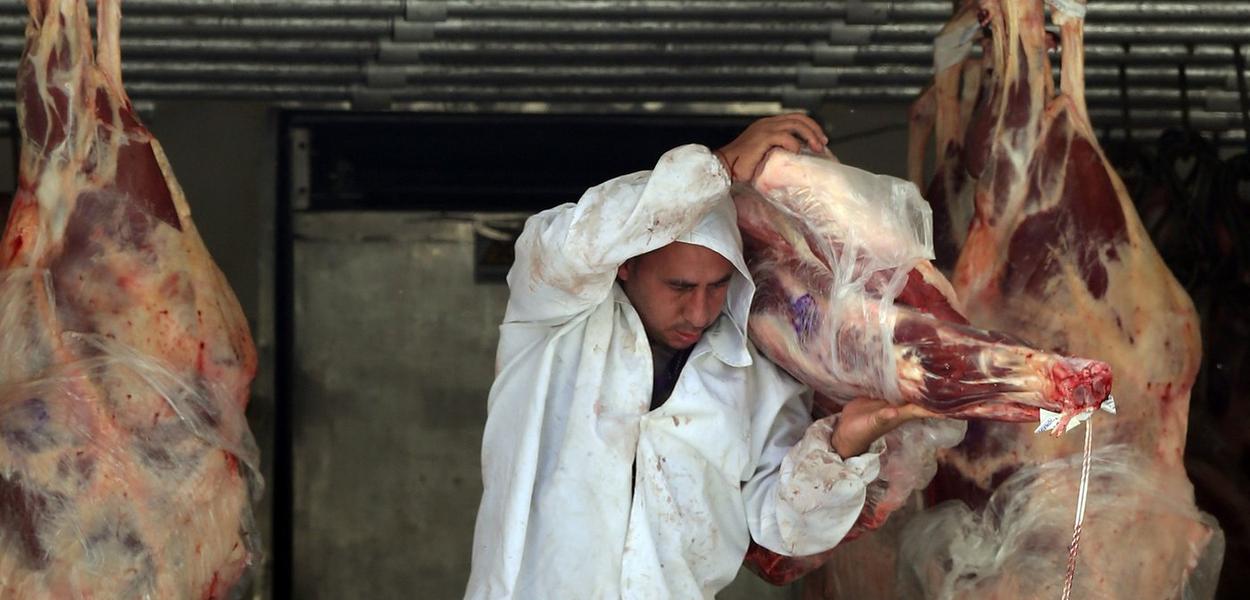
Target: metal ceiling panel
[[380, 54]]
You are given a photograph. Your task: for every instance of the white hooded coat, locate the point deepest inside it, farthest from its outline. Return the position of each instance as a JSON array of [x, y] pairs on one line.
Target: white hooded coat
[[565, 513]]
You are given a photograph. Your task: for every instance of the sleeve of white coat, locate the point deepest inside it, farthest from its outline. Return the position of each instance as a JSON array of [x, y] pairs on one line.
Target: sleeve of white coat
[[803, 498], [567, 257]]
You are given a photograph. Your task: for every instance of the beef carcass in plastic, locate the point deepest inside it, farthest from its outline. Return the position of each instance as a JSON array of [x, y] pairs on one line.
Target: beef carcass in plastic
[[126, 462]]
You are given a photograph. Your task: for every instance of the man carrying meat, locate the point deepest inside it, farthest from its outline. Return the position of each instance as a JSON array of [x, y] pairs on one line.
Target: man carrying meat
[[635, 440]]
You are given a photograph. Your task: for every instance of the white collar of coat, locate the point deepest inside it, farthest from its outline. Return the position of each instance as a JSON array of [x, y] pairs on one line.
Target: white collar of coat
[[725, 339]]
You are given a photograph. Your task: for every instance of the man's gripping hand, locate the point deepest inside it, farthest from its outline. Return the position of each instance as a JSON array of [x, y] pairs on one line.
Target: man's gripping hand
[[864, 420], [743, 156]]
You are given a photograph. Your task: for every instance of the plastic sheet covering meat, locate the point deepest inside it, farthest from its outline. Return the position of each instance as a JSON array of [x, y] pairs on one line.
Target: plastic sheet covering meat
[[908, 464], [848, 302], [127, 469], [1013, 548]]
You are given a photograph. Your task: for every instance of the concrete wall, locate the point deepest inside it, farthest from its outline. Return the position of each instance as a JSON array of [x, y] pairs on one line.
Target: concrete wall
[[873, 138], [394, 354]]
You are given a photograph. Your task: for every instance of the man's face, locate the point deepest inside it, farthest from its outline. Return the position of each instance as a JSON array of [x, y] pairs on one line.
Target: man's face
[[678, 291]]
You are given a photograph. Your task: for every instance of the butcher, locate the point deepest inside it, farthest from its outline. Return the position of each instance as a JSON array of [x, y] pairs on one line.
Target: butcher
[[635, 440]]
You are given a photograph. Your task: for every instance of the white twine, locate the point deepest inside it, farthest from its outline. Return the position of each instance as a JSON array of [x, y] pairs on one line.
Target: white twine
[[1074, 547]]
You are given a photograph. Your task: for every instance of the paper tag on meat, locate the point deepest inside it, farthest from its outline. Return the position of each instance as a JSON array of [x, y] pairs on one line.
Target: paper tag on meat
[[1049, 421]]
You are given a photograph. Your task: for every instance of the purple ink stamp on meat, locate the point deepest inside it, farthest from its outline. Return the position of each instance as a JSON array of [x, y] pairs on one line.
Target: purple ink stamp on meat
[[803, 316]]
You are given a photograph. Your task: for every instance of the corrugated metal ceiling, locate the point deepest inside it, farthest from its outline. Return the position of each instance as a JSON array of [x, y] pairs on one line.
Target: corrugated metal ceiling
[[660, 55]]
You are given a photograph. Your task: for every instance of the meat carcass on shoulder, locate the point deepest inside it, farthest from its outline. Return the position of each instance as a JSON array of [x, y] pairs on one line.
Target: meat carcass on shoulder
[[847, 302], [125, 360]]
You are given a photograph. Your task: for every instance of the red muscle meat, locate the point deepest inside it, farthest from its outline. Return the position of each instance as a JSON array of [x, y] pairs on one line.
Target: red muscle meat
[[125, 361]]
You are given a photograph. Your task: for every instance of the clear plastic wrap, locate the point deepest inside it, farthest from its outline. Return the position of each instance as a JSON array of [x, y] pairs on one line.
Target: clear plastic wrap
[[908, 464], [870, 231], [121, 475], [1017, 546]]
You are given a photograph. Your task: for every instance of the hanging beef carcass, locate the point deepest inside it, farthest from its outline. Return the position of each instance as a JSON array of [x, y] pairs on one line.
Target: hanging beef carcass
[[125, 361], [1055, 253], [848, 303]]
